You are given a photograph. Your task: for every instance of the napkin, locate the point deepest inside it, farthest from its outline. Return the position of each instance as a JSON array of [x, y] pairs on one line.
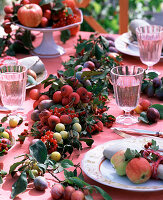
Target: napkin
[[136, 23], [34, 63]]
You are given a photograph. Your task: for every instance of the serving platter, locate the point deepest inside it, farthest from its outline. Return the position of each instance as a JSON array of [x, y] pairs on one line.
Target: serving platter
[[124, 45], [97, 167], [48, 48]]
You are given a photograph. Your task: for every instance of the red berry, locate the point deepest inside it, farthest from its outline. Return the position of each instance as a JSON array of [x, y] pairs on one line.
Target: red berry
[[8, 9], [34, 94], [65, 101], [8, 16], [74, 97], [7, 30], [44, 22], [66, 90], [57, 97], [53, 120], [74, 30], [47, 14], [66, 119], [82, 92], [146, 146]]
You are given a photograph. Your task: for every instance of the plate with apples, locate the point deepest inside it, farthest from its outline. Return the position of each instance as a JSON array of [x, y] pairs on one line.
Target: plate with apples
[[99, 164]]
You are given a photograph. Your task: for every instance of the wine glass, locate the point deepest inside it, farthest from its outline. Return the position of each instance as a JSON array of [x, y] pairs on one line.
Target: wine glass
[[126, 82], [150, 40], [13, 80]]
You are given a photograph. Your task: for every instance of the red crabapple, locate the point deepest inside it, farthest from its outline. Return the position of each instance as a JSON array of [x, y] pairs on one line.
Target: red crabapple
[[74, 97], [57, 97], [66, 90]]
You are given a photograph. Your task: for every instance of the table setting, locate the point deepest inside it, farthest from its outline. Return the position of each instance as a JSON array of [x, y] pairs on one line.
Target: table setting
[[72, 124]]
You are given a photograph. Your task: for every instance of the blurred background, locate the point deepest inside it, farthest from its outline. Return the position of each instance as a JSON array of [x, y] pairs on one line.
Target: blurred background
[[106, 12]]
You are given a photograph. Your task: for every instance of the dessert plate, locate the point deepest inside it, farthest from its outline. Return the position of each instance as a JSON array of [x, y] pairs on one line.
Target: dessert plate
[[124, 45], [100, 169]]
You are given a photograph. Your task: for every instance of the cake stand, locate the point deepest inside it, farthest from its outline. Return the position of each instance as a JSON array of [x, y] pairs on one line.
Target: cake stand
[[48, 48]]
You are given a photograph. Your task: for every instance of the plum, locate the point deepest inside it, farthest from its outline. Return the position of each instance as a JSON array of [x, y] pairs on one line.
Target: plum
[[45, 104], [35, 115], [159, 93], [113, 49], [57, 191], [150, 91], [109, 38], [68, 192], [77, 195], [111, 43], [153, 115], [157, 82], [40, 183], [89, 64]]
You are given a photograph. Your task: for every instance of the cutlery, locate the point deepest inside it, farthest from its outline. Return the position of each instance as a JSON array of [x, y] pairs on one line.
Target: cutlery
[[139, 132], [126, 135]]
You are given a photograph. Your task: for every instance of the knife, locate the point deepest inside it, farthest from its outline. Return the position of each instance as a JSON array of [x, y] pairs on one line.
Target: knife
[[133, 131]]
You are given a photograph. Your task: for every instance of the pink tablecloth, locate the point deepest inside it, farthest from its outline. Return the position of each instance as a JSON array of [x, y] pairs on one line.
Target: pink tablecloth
[[52, 65]]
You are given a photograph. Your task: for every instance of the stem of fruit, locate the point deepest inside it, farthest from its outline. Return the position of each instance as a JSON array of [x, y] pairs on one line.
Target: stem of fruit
[[50, 172]]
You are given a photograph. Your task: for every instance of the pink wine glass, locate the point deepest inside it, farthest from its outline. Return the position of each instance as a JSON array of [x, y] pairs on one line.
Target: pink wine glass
[[150, 40], [126, 82]]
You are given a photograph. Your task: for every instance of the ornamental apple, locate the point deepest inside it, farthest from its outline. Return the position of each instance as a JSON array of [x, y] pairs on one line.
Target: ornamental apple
[[119, 163], [30, 15], [138, 170]]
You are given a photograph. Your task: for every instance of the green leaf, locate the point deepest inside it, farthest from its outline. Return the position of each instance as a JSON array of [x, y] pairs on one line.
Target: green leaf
[[3, 173], [69, 72], [44, 2], [2, 129], [81, 46], [88, 197], [143, 117], [14, 166], [68, 174], [159, 107], [77, 181], [130, 154], [31, 174], [66, 163], [154, 146], [152, 75], [20, 121], [39, 151], [65, 35], [89, 142], [98, 52], [103, 193], [4, 119], [104, 41], [1, 180], [20, 185], [81, 176]]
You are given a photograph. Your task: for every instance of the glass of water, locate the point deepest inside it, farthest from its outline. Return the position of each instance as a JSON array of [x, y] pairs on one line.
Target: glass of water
[[126, 82], [150, 40], [13, 80]]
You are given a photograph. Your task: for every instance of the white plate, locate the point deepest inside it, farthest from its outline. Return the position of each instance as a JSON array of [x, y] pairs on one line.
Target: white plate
[[100, 169], [124, 45]]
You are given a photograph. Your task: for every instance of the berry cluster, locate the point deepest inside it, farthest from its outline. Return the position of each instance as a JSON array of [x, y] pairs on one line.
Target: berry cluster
[[5, 145], [49, 141], [22, 136]]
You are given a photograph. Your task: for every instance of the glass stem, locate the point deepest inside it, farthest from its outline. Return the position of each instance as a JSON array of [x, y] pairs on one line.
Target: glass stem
[[127, 113]]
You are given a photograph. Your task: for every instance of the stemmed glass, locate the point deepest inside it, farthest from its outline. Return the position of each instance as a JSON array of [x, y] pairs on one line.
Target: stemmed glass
[[126, 82], [150, 40], [13, 80]]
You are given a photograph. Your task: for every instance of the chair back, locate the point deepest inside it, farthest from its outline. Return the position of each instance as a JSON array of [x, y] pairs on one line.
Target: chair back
[[123, 16]]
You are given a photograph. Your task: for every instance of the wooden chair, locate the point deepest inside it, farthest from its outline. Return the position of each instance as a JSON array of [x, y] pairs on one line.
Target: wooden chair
[[123, 16]]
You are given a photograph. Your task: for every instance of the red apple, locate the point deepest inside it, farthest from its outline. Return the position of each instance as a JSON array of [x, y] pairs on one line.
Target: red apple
[[138, 170], [30, 15], [35, 1]]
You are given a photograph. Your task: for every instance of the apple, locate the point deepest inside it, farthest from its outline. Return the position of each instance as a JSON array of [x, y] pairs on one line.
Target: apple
[[30, 15], [119, 163], [138, 170], [35, 1]]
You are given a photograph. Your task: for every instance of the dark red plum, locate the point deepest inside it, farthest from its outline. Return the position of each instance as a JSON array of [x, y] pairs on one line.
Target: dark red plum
[[153, 115], [159, 93], [157, 82], [35, 115], [150, 91], [89, 64], [113, 49], [110, 38], [40, 183]]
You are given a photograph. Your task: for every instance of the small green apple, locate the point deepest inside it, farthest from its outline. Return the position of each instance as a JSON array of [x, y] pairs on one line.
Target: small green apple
[[60, 127], [119, 163], [4, 134]]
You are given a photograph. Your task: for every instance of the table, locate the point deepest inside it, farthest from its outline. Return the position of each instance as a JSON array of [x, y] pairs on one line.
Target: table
[[52, 65]]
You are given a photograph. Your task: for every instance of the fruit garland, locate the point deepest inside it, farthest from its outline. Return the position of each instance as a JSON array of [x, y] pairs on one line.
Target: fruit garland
[[53, 13]]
